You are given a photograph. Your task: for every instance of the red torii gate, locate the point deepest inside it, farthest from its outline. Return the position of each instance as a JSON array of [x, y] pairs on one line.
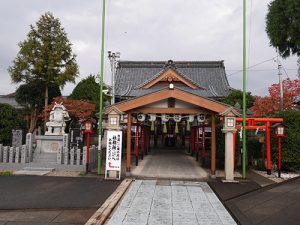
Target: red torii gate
[[251, 126]]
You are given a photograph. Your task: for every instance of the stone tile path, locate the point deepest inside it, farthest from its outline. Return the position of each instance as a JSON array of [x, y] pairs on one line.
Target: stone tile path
[[165, 202]]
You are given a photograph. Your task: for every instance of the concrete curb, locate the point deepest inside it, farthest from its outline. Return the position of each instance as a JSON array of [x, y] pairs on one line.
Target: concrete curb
[[101, 215]]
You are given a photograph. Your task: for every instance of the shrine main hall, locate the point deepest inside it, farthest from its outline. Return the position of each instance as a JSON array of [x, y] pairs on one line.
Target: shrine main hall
[[169, 105]]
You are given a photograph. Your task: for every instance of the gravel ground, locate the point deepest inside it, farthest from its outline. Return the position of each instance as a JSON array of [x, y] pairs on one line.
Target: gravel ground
[[274, 175]]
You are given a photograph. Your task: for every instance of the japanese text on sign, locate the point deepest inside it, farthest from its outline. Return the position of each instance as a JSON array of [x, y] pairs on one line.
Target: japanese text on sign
[[113, 150]]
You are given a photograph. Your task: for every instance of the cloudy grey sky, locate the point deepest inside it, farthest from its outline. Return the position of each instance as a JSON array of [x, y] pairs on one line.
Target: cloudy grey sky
[[151, 30]]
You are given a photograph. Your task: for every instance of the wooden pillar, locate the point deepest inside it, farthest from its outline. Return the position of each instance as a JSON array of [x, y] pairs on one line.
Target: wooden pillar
[[234, 149], [197, 143], [137, 144], [268, 145], [128, 149], [203, 143], [192, 140], [213, 144], [143, 141]]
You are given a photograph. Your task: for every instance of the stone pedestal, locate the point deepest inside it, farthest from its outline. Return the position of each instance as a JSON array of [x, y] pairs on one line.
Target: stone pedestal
[[49, 144], [229, 163]]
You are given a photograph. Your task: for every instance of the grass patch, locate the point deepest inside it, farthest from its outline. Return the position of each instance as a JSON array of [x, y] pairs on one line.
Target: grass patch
[[6, 173]]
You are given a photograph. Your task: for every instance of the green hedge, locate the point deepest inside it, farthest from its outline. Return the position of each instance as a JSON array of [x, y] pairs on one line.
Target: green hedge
[[291, 144]]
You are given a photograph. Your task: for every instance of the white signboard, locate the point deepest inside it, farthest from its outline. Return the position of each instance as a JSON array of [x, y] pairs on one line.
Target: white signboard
[[113, 151]]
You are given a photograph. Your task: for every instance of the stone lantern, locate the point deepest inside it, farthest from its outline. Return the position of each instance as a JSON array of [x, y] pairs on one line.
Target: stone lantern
[[113, 122], [229, 129]]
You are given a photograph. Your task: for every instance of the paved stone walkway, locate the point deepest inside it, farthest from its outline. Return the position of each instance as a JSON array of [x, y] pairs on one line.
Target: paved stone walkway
[[165, 202], [170, 164]]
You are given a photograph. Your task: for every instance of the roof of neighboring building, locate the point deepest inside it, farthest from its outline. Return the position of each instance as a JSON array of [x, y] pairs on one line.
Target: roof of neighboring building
[[131, 76], [10, 100]]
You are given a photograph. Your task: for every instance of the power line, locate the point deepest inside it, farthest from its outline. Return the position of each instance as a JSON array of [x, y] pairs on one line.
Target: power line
[[252, 66]]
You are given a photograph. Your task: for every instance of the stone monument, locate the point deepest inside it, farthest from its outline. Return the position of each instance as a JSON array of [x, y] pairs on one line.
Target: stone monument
[[52, 141]]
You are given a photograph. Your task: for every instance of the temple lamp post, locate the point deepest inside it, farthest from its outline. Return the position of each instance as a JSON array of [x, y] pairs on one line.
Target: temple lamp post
[[88, 129], [279, 133], [229, 130]]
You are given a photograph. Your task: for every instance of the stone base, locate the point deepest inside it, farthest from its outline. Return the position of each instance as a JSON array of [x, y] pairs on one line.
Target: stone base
[[230, 181], [48, 144], [128, 174]]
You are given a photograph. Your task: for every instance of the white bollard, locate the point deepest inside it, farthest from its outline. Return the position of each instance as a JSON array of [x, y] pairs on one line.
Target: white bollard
[[5, 154], [18, 155], [23, 154], [11, 155], [66, 156], [78, 156], [72, 156], [84, 156], [1, 153], [29, 140], [60, 156]]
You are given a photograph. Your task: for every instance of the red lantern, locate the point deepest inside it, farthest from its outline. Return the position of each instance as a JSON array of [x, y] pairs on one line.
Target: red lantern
[[88, 127]]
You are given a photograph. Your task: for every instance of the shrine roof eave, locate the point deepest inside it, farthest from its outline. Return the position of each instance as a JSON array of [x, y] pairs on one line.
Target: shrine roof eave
[[140, 101]]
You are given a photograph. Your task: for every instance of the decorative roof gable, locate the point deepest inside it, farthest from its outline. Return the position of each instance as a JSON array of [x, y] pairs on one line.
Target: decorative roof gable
[[170, 75]]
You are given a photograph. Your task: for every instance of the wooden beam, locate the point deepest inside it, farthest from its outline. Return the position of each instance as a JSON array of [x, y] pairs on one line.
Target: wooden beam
[[213, 144], [169, 110], [128, 150]]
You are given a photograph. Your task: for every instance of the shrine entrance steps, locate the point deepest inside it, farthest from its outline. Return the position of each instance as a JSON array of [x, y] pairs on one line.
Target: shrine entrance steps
[[169, 164]]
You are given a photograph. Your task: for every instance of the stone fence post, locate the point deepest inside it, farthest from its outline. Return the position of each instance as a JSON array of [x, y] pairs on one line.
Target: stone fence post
[[29, 142], [1, 153]]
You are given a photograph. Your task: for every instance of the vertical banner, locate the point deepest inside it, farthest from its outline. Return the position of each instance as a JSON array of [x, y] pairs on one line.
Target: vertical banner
[[113, 151]]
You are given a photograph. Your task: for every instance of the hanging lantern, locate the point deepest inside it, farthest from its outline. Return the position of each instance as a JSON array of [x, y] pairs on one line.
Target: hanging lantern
[[188, 126], [152, 118], [201, 118], [165, 127], [189, 120], [141, 117], [177, 118], [165, 117]]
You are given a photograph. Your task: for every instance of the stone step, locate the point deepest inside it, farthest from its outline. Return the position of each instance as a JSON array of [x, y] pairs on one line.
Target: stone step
[[44, 155], [44, 160], [39, 169]]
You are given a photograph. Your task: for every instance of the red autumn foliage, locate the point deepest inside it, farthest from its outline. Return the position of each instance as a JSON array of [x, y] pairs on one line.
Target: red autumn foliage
[[269, 105], [78, 109]]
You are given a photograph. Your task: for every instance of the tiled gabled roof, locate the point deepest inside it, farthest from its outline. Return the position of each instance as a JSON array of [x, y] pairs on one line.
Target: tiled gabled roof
[[210, 75]]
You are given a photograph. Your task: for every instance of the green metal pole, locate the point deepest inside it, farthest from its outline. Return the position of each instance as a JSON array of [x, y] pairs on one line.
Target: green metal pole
[[244, 89], [101, 90]]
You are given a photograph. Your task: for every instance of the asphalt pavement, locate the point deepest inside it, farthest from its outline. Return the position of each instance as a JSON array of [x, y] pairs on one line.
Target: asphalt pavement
[[250, 204], [29, 200]]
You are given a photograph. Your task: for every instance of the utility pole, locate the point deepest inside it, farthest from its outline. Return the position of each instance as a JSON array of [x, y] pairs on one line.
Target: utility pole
[[280, 83], [244, 91], [101, 90], [113, 59]]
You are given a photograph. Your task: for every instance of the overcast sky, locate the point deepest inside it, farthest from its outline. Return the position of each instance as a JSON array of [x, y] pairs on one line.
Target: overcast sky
[[197, 30]]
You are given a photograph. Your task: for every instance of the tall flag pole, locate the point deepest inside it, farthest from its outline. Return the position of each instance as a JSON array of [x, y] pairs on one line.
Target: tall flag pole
[[101, 90], [244, 90]]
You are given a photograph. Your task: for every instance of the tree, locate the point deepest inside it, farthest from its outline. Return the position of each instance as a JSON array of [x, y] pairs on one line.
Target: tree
[[236, 97], [9, 119], [77, 109], [269, 105], [31, 96], [88, 89], [45, 56], [283, 26]]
